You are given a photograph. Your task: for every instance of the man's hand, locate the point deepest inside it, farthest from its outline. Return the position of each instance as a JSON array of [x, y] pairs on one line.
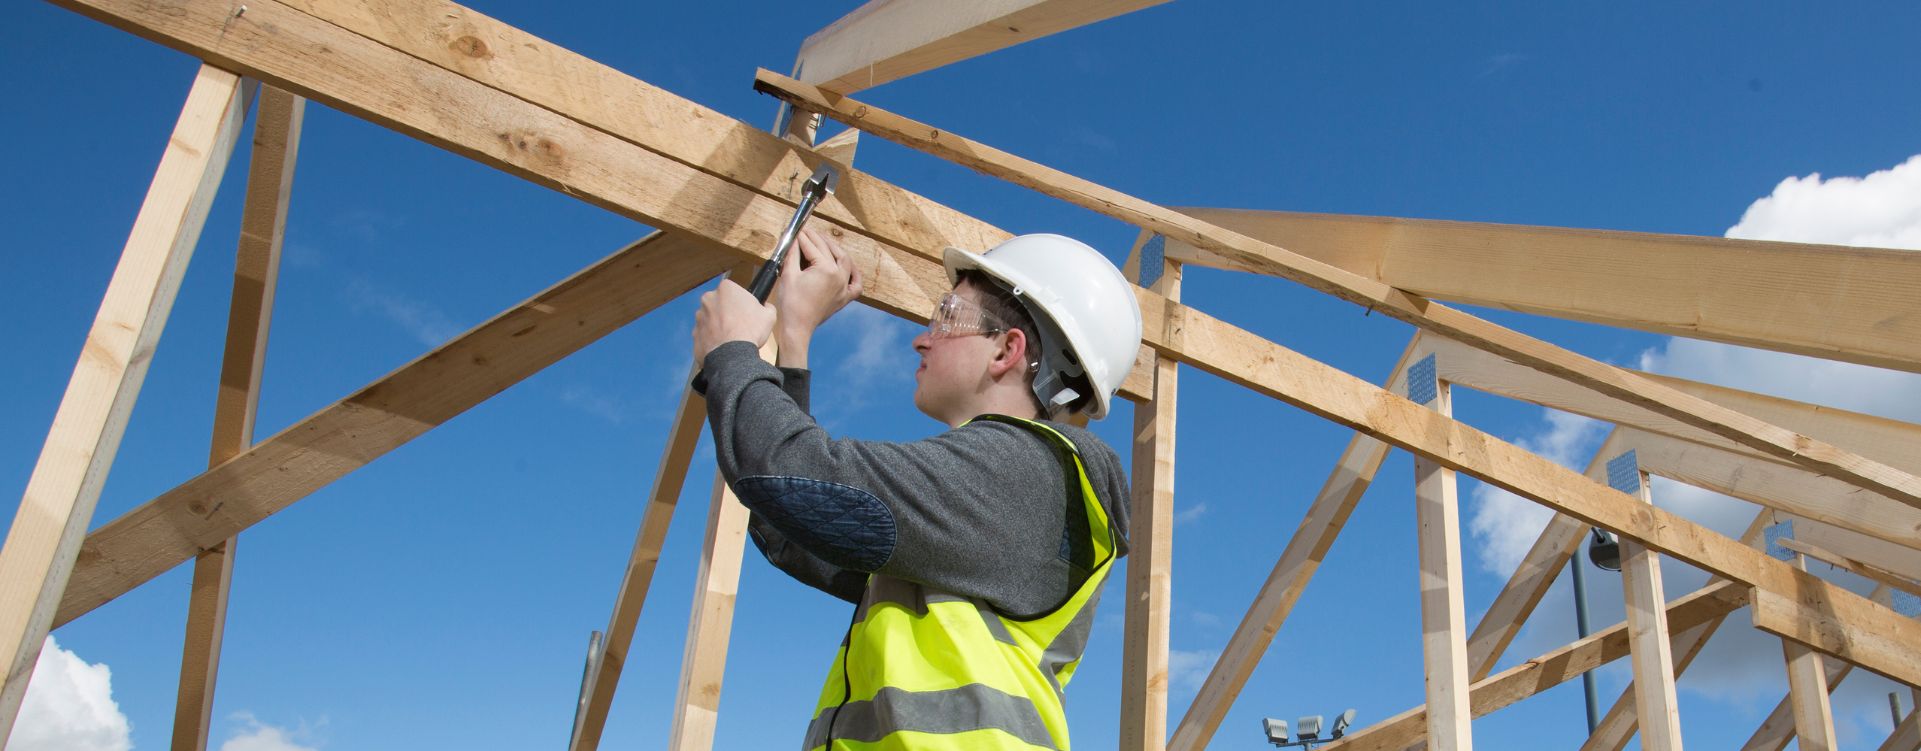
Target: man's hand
[[730, 313], [809, 293]]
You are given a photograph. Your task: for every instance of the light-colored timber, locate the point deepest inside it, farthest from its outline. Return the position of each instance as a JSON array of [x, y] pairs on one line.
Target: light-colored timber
[[1413, 309], [1437, 513], [45, 539], [263, 224], [1653, 654], [886, 40], [1143, 720], [1349, 480], [1828, 301]]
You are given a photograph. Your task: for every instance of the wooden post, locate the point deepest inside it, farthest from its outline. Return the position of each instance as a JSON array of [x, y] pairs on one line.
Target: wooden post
[[65, 485], [263, 223], [603, 673], [1652, 655], [704, 663], [1622, 719], [1443, 616], [1808, 691], [1150, 560], [1345, 485]]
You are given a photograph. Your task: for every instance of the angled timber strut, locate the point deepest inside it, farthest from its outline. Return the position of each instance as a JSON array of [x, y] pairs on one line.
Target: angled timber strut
[[1816, 455], [720, 190]]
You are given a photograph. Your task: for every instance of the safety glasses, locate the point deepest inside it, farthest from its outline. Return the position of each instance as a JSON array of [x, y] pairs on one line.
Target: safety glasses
[[958, 316]]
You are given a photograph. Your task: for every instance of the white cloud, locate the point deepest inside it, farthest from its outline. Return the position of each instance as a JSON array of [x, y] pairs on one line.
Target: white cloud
[[69, 707], [1882, 210], [1504, 524], [1741, 666], [420, 320], [253, 735], [1187, 669], [1190, 513]]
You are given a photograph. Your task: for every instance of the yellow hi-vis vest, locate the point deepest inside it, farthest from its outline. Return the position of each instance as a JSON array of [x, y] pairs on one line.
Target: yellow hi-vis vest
[[924, 669]]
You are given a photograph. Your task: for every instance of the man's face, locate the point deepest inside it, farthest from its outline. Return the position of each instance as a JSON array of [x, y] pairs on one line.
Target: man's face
[[953, 369]]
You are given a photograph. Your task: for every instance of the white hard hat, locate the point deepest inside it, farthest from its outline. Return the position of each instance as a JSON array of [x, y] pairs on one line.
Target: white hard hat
[[1075, 294]]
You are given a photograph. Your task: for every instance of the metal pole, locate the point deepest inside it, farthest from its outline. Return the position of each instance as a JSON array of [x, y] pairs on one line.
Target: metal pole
[[1581, 624], [1894, 706]]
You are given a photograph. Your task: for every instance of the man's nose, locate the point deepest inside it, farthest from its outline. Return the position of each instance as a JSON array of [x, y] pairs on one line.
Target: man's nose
[[922, 341]]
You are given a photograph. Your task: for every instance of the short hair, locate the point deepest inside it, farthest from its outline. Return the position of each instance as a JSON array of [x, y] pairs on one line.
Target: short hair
[[999, 301]]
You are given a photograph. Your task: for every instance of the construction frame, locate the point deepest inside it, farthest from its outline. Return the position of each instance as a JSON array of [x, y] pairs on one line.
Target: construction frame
[[1835, 486]]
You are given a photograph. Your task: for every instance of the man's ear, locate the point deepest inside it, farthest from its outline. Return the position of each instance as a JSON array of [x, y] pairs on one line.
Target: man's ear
[[1013, 354]]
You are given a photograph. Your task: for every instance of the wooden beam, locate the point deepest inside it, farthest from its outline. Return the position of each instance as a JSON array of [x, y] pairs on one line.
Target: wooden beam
[[1803, 450], [1143, 724], [1820, 618], [1618, 726], [501, 129], [1906, 736], [263, 223], [1808, 694], [1437, 515], [58, 505], [431, 390], [603, 675], [1710, 461], [1864, 570], [1345, 485], [1775, 731], [886, 40], [1533, 676], [1828, 301], [716, 584], [1483, 371], [710, 624], [1780, 725], [1901, 561], [1537, 571], [1653, 655], [466, 44]]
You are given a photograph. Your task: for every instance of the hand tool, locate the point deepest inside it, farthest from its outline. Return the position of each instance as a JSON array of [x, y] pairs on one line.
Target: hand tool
[[817, 187]]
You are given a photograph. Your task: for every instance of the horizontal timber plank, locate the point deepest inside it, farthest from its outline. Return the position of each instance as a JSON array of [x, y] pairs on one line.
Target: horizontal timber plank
[[1828, 301], [887, 40], [1413, 309]]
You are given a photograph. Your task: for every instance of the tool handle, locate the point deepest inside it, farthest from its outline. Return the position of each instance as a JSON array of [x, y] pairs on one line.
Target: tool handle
[[764, 279]]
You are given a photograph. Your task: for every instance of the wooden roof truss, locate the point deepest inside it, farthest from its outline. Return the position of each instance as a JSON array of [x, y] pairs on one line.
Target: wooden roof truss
[[720, 191]]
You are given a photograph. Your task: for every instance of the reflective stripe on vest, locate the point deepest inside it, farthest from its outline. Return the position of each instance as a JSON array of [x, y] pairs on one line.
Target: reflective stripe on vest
[[925, 669]]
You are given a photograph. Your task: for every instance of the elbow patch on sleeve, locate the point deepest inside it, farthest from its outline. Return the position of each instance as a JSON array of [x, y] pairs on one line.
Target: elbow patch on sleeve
[[840, 524]]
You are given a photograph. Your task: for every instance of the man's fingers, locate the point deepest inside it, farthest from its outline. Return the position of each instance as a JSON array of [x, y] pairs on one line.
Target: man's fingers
[[810, 244]]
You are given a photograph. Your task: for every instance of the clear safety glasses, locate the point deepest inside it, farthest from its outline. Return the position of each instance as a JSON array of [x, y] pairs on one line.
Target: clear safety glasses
[[958, 316]]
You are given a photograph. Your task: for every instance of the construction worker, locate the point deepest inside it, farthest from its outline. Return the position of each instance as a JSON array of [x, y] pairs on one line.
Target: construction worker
[[974, 558]]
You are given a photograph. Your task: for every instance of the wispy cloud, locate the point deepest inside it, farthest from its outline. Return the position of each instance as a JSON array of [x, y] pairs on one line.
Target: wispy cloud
[[1187, 669], [69, 706], [593, 401], [420, 320], [1506, 524], [1500, 62], [250, 734], [1189, 514]]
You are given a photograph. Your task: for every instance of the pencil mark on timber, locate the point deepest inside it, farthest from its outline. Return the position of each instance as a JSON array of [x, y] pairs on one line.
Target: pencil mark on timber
[[480, 360], [471, 46], [523, 332]]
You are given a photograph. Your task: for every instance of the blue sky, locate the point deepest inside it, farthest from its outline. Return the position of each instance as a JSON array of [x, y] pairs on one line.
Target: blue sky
[[442, 596]]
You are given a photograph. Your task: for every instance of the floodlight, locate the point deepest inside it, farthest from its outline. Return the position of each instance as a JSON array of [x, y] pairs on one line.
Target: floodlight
[[1308, 727], [1604, 550], [1276, 730], [1343, 722]]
